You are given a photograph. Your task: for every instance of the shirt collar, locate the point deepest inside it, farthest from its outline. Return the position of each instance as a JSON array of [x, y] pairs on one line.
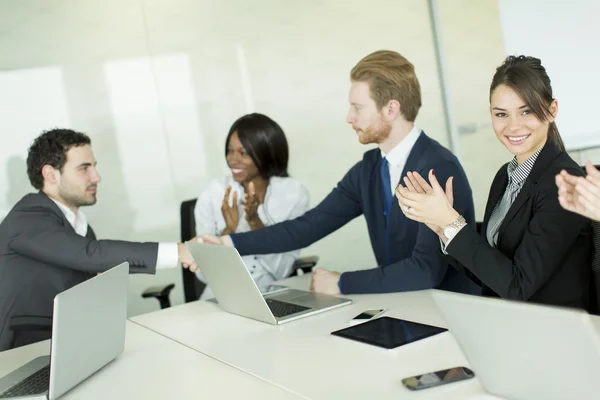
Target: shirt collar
[[399, 154], [518, 173], [78, 221]]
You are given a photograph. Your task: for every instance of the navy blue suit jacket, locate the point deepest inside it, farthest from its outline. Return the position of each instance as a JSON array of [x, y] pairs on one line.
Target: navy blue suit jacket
[[407, 253]]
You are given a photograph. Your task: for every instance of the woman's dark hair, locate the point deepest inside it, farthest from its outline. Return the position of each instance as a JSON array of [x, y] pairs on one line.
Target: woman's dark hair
[[528, 78], [50, 148], [264, 142]]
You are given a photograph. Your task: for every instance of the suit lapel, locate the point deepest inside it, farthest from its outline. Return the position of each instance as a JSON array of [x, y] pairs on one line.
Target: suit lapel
[[545, 158], [410, 165], [52, 205], [522, 197], [415, 154], [62, 216], [496, 192], [90, 233]]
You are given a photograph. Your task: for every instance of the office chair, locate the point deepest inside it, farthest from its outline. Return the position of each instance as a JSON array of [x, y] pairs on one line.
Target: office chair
[[161, 293], [29, 329], [192, 286]]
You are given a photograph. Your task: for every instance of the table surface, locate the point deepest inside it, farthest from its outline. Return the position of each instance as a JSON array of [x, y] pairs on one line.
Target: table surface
[[303, 357], [154, 367]]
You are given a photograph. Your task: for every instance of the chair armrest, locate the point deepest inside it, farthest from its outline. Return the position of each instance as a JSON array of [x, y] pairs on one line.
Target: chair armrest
[[30, 323], [29, 329], [161, 293], [305, 264]]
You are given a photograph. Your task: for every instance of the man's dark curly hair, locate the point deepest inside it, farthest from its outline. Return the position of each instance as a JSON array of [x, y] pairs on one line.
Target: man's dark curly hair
[[51, 148]]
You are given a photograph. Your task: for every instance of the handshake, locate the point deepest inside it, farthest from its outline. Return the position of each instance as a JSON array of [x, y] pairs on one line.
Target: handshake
[[322, 280], [185, 257]]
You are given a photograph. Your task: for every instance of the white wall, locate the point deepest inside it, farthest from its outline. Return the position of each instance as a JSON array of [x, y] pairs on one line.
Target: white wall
[[156, 84], [565, 37]]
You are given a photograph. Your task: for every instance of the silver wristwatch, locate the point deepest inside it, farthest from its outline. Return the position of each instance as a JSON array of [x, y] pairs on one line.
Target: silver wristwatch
[[454, 227]]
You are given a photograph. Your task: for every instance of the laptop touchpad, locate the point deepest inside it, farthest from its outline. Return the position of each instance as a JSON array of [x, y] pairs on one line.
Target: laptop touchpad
[[295, 296]]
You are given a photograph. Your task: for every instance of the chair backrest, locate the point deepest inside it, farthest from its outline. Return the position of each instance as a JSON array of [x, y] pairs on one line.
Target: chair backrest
[[29, 329], [192, 286]]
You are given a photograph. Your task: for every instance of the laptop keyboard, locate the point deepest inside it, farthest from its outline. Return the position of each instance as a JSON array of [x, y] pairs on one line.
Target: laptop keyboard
[[35, 383], [282, 309]]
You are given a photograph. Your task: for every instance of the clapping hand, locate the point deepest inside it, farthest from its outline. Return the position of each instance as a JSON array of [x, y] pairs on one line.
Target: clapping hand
[[580, 194], [250, 205], [230, 214], [426, 203]]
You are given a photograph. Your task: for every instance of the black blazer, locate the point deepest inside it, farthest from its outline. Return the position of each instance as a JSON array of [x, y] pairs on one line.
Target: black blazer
[[544, 253], [41, 255]]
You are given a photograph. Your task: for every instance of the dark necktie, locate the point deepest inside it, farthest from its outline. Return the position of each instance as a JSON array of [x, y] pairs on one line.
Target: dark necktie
[[387, 186]]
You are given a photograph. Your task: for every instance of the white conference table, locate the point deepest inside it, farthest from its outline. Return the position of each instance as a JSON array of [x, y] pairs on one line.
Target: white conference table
[[302, 356], [154, 367]]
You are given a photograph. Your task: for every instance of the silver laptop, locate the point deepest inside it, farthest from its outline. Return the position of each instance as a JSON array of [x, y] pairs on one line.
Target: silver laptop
[[237, 292], [88, 331], [524, 351]]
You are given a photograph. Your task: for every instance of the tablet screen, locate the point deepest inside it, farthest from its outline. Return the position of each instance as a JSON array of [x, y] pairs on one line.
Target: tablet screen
[[389, 332]]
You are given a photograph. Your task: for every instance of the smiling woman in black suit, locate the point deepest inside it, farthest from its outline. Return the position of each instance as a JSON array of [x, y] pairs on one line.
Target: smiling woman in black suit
[[530, 249]]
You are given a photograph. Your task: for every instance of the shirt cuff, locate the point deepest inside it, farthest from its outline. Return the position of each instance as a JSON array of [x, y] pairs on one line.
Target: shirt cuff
[[168, 256], [445, 246], [340, 283]]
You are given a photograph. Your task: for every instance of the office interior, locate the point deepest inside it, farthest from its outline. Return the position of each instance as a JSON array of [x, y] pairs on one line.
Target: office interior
[[156, 84]]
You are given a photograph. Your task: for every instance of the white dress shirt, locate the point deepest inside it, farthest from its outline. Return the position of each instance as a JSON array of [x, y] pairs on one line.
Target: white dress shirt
[[168, 254], [286, 198], [397, 156]]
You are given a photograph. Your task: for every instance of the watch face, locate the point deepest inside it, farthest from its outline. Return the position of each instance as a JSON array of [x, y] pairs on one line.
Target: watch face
[[450, 231]]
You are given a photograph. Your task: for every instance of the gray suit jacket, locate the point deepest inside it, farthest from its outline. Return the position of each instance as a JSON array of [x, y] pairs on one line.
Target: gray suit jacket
[[41, 256]]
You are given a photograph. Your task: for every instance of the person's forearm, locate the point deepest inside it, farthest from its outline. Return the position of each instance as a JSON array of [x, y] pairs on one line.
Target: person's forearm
[[255, 224], [227, 231], [446, 219], [84, 254]]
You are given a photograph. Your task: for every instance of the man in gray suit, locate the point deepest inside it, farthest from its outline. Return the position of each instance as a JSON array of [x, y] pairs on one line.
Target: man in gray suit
[[46, 245]]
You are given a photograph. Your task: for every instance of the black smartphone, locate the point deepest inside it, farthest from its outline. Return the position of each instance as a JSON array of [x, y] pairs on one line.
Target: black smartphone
[[368, 314], [438, 378]]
